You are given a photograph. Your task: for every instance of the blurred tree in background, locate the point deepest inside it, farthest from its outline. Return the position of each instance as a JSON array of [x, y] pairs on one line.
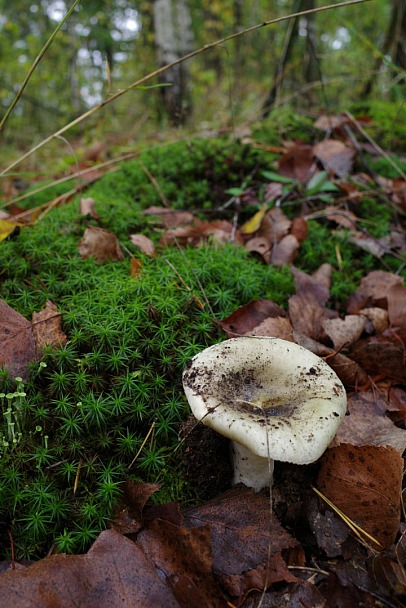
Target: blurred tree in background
[[324, 61]]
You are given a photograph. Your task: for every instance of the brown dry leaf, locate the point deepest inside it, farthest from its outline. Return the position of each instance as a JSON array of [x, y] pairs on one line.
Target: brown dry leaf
[[299, 229], [331, 122], [349, 372], [378, 317], [396, 188], [342, 217], [376, 247], [323, 275], [261, 246], [170, 218], [47, 327], [307, 310], [241, 531], [382, 355], [302, 594], [335, 156], [298, 163], [144, 243], [245, 319], [100, 244], [284, 252], [344, 331], [373, 289], [368, 424], [88, 207], [183, 557], [17, 344], [195, 234], [129, 518], [364, 482], [115, 573], [397, 306], [389, 574], [280, 223], [272, 191], [135, 268], [277, 327]]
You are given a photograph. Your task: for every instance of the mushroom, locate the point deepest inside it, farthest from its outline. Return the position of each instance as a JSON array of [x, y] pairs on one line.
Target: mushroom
[[274, 399]]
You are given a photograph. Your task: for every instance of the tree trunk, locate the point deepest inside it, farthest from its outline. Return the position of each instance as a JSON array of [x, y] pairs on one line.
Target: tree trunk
[[174, 38], [394, 43]]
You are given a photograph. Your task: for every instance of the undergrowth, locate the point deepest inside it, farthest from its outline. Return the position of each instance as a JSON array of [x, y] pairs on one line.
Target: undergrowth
[[107, 405]]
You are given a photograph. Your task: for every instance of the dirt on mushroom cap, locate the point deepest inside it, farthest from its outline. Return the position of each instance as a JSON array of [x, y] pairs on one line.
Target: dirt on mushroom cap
[[272, 396]]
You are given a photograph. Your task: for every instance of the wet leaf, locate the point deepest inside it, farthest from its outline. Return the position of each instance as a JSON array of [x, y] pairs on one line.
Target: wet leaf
[[17, 344], [114, 573], [247, 318], [364, 482], [368, 424]]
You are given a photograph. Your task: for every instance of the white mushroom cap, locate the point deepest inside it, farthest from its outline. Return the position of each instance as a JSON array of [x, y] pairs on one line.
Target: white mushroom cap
[[274, 397]]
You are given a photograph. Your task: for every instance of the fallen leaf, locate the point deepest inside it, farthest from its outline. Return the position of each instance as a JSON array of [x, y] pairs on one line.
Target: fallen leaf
[[88, 207], [17, 344], [280, 223], [331, 122], [335, 156], [364, 482], [242, 534], [343, 217], [128, 518], [299, 229], [350, 373], [277, 327], [381, 355], [47, 327], [195, 234], [254, 223], [396, 297], [184, 559], [100, 244], [115, 573], [368, 423], [247, 318], [344, 332], [374, 288], [144, 243], [284, 252], [298, 163], [170, 217], [378, 317], [261, 246], [135, 268], [7, 228]]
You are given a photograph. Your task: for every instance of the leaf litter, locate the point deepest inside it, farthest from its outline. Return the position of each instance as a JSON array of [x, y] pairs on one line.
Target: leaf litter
[[232, 549]]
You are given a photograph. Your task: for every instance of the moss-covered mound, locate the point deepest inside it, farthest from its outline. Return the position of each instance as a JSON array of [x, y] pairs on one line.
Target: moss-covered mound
[[108, 404]]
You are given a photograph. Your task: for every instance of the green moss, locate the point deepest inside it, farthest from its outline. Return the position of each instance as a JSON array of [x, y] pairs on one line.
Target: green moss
[[113, 392], [284, 123], [388, 126]]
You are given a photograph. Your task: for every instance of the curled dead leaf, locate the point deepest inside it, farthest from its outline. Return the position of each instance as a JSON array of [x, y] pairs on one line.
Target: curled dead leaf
[[100, 244]]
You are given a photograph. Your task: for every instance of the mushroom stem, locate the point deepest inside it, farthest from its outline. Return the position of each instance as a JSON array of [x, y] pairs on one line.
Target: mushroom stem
[[253, 471]]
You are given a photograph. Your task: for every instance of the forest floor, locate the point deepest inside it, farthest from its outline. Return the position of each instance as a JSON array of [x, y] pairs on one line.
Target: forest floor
[[111, 493]]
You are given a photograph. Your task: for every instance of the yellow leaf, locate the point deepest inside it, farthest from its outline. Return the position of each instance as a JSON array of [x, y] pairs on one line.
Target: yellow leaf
[[253, 224], [6, 228]]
